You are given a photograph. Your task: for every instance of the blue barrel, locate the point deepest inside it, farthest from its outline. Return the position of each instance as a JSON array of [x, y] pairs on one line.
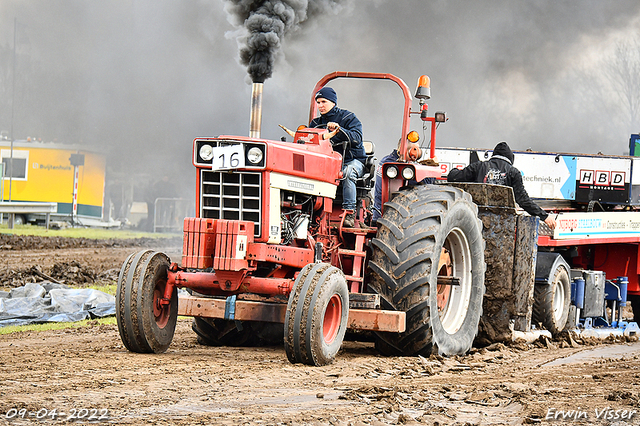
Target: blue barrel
[[623, 283], [579, 293]]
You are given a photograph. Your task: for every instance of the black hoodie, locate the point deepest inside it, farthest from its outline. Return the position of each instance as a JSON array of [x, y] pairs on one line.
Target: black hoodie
[[498, 170]]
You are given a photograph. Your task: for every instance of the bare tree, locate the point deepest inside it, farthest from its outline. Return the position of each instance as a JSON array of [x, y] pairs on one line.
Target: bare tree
[[622, 70]]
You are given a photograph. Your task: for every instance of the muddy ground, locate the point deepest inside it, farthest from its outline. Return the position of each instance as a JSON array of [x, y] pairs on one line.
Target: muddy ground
[[87, 372]]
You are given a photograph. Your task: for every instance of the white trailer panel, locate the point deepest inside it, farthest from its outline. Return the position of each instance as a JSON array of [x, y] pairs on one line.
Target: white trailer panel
[[557, 176]]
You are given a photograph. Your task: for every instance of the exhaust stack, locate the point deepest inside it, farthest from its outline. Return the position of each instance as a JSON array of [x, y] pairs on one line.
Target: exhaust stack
[[256, 110]]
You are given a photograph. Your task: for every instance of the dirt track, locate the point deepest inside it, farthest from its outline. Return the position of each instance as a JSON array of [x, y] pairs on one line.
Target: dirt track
[[90, 369]]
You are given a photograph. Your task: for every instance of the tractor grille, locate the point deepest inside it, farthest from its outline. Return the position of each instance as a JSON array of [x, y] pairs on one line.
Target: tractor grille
[[232, 196]]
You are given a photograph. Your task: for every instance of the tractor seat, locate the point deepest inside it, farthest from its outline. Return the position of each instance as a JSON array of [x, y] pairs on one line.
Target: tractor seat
[[364, 184], [368, 178]]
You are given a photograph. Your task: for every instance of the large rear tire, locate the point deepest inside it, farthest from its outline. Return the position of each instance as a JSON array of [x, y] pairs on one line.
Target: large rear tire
[[552, 292], [317, 315], [144, 324], [425, 232]]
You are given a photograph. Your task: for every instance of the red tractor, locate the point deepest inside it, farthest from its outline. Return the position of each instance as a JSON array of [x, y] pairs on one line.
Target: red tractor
[[268, 257]]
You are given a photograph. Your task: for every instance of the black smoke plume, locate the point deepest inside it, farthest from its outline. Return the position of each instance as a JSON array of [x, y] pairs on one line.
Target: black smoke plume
[[265, 24]]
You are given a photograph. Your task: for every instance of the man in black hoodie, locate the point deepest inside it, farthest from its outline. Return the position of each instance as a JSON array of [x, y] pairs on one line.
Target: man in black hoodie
[[499, 170], [345, 132]]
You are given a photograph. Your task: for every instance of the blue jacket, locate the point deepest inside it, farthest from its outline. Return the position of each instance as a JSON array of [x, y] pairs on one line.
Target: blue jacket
[[350, 125]]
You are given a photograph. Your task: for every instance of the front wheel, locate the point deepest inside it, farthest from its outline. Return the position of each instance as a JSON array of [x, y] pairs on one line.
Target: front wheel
[[428, 261], [145, 324], [317, 315]]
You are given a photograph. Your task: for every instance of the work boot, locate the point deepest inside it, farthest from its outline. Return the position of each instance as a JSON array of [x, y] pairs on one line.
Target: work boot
[[349, 219]]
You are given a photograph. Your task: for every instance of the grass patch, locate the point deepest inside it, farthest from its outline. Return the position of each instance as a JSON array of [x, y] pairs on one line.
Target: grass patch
[[104, 286], [64, 325], [109, 288], [56, 325], [91, 233]]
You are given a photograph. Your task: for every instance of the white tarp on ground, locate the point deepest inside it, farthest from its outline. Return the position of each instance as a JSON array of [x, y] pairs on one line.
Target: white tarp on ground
[[50, 302]]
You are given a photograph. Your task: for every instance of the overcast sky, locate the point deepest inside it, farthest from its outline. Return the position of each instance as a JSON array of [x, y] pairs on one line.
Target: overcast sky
[[141, 79]]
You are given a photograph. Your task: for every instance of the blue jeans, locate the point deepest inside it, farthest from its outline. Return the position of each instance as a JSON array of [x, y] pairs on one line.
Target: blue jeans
[[351, 172]]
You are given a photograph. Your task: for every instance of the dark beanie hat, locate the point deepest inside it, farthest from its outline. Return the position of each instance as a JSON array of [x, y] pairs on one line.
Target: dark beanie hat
[[503, 150], [327, 93]]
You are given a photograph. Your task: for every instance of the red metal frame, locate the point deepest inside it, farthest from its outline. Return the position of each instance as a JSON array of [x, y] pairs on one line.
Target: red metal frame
[[266, 184], [246, 310], [547, 241], [616, 256], [212, 284], [296, 257], [372, 76], [616, 260], [432, 120], [421, 171], [353, 261]]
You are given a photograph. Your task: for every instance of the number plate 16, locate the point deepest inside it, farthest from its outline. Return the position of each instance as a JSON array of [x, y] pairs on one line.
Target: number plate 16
[[228, 157]]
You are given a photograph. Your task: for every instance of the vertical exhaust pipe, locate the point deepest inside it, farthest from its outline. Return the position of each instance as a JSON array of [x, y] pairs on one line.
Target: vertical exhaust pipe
[[256, 110]]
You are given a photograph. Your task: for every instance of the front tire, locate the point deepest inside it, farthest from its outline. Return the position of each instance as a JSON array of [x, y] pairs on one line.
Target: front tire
[[426, 232], [144, 324], [317, 315]]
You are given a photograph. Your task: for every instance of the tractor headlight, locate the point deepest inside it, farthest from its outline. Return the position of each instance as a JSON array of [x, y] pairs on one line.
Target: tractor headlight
[[408, 173], [392, 172], [254, 155], [206, 152]]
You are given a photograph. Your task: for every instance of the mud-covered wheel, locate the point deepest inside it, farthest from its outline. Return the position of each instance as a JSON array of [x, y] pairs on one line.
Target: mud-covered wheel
[[552, 292], [428, 235], [145, 325], [317, 315]]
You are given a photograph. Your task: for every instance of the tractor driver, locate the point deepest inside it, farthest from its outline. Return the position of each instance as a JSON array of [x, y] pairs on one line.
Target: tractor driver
[[345, 132], [499, 170]]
